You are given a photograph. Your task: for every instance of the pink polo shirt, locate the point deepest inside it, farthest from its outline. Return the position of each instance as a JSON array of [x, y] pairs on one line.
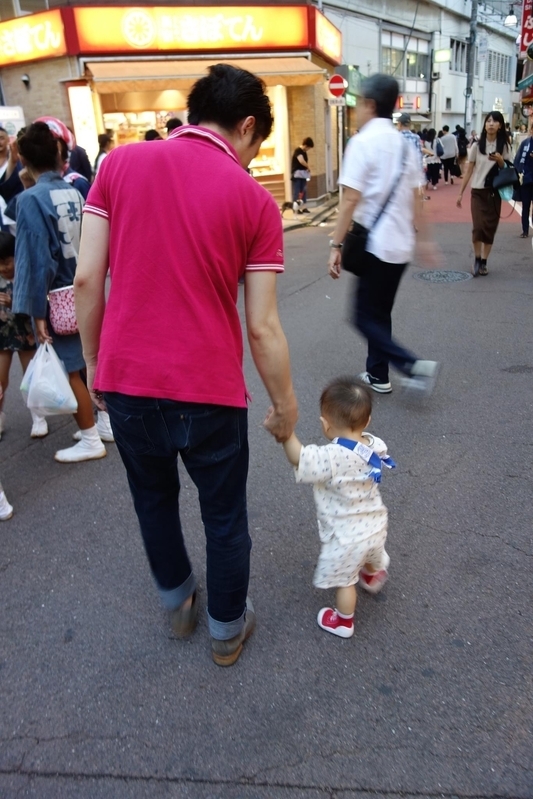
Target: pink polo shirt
[[186, 221]]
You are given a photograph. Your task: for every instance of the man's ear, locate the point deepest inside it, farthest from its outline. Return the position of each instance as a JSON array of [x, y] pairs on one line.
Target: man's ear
[[246, 125]]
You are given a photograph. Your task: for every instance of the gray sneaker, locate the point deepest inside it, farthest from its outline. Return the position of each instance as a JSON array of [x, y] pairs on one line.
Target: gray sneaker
[[226, 653], [423, 377], [184, 620]]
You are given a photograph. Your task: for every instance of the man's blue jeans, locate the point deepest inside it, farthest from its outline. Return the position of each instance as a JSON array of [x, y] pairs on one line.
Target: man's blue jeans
[[212, 441]]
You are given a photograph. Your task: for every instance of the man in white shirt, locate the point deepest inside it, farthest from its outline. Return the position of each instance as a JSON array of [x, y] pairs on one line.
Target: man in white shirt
[[381, 175], [451, 152]]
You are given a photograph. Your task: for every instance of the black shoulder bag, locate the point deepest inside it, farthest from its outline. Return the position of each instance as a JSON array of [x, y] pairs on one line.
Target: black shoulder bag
[[354, 245]]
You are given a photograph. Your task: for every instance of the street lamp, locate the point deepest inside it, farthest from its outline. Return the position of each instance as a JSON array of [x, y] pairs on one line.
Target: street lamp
[[510, 20]]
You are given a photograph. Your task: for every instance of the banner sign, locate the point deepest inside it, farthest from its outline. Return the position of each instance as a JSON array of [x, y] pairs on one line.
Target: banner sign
[[526, 37]]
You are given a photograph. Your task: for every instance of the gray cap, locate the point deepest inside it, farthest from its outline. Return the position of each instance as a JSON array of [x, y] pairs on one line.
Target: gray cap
[[404, 119]]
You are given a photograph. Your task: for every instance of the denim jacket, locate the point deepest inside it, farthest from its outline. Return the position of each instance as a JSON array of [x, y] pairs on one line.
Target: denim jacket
[[47, 242]]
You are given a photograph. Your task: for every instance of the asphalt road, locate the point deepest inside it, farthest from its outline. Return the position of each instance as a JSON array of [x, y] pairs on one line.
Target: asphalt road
[[432, 697]]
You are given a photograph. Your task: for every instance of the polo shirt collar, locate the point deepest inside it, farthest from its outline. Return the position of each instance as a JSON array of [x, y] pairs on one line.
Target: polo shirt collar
[[205, 134]]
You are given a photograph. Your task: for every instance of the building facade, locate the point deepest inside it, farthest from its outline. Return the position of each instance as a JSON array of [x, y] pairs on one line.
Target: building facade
[[127, 69], [424, 45]]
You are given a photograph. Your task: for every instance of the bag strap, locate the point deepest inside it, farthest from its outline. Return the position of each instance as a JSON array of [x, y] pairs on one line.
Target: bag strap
[[405, 144]]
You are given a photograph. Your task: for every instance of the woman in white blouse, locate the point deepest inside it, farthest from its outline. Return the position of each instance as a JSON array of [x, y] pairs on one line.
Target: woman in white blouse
[[485, 158]]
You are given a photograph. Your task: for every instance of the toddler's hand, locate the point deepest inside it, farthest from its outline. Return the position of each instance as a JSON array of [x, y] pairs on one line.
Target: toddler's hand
[[281, 424], [5, 299]]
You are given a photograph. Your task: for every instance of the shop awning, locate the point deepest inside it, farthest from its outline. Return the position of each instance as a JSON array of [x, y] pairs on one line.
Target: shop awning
[[525, 82], [144, 76]]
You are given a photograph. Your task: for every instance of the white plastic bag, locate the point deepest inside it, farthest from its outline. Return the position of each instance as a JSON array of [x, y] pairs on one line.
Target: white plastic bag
[[49, 390], [26, 380]]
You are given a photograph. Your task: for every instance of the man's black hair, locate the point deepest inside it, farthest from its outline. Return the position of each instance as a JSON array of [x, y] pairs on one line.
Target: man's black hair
[[7, 246], [308, 142], [384, 90], [446, 128], [228, 95]]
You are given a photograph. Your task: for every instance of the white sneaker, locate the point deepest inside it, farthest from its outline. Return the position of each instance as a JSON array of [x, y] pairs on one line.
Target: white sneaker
[[2, 422], [423, 377], [39, 428], [89, 448], [6, 510], [103, 425], [374, 383]]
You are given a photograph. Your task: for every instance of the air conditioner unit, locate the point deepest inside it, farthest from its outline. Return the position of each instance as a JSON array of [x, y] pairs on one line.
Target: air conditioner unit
[[435, 75]]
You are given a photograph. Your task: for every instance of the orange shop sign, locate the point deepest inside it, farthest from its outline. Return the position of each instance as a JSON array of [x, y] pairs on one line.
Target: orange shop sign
[[196, 28], [31, 38], [328, 39]]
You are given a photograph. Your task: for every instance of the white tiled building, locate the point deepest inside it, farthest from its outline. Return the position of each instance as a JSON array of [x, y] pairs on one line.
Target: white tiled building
[[404, 37]]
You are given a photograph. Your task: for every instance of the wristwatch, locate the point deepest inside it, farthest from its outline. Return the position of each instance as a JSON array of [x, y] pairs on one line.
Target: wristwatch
[[335, 246]]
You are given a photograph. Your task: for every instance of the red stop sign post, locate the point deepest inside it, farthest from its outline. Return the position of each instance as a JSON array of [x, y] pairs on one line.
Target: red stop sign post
[[337, 85]]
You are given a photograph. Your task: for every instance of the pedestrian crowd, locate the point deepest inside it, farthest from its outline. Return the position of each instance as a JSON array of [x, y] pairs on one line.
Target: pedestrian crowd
[[160, 397]]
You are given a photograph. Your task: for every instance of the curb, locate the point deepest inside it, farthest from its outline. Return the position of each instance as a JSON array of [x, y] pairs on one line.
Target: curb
[[323, 213]]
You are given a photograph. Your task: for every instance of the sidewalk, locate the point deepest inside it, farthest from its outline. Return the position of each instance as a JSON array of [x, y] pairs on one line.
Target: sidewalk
[[319, 213]]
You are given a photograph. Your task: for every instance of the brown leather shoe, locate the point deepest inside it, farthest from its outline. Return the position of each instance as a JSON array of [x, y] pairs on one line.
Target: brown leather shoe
[[226, 653], [184, 620]]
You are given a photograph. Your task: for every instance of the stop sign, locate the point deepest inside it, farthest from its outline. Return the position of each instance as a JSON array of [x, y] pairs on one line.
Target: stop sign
[[337, 85]]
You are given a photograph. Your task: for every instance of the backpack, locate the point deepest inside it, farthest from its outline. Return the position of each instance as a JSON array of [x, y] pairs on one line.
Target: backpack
[[439, 149], [462, 146]]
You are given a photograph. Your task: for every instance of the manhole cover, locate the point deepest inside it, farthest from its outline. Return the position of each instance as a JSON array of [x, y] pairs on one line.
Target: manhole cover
[[442, 276]]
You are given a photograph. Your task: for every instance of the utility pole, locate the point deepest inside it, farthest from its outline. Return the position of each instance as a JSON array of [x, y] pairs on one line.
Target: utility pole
[[469, 91]]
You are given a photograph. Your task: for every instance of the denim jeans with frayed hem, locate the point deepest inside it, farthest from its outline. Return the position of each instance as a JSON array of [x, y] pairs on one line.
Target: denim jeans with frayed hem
[[212, 441]]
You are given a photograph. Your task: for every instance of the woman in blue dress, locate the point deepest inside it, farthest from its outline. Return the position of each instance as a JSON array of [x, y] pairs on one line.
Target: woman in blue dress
[[46, 255]]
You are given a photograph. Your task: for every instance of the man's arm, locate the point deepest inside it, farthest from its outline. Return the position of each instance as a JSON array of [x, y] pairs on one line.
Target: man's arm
[[348, 204], [270, 351], [89, 291], [302, 161]]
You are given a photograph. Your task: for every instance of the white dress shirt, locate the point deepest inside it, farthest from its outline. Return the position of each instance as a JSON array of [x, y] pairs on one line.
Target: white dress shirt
[[371, 165]]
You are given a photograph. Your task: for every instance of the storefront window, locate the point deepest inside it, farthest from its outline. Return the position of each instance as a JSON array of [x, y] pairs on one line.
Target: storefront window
[[272, 158]]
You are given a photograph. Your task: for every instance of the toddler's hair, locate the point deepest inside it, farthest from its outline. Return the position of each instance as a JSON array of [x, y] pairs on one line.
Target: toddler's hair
[[7, 246], [346, 402]]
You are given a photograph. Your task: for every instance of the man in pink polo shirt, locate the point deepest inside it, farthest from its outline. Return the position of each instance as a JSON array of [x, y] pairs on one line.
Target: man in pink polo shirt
[[178, 222]]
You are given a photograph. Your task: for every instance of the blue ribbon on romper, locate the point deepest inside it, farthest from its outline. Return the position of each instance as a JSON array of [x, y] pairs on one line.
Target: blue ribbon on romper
[[374, 460]]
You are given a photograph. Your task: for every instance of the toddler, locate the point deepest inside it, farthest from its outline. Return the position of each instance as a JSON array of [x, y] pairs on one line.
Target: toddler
[[352, 519]]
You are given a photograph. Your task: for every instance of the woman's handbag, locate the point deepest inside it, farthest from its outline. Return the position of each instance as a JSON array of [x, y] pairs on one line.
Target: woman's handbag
[[507, 176], [354, 245], [456, 170], [62, 311]]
